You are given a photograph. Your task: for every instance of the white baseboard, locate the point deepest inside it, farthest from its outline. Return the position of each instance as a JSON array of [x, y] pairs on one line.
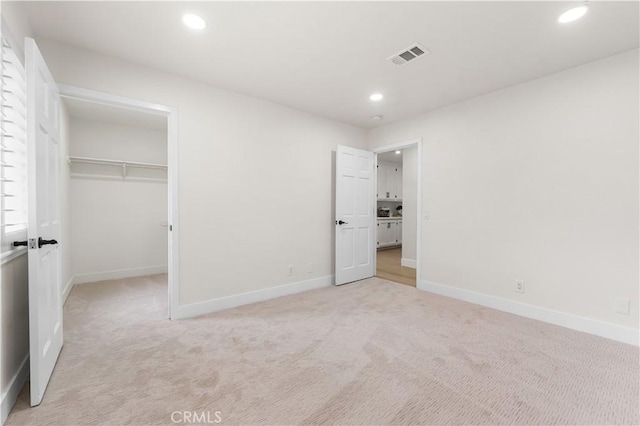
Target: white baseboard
[[67, 290], [214, 305], [119, 274], [574, 322], [408, 263], [13, 390]]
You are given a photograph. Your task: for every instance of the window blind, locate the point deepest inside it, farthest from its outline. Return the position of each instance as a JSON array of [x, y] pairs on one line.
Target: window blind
[[13, 148]]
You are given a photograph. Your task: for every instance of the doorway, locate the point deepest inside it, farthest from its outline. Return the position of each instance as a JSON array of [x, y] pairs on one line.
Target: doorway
[[115, 182], [397, 212], [145, 169], [356, 213]]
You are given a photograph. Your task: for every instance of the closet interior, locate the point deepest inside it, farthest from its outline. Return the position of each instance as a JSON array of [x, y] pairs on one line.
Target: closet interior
[[117, 198]]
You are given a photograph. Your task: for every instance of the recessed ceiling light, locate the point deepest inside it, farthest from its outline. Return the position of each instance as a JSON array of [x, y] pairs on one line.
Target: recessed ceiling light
[[398, 152], [376, 117], [376, 97], [194, 21], [573, 14]]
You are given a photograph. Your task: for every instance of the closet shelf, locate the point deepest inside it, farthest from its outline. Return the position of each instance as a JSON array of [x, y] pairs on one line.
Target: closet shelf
[[119, 163], [101, 161], [107, 178]]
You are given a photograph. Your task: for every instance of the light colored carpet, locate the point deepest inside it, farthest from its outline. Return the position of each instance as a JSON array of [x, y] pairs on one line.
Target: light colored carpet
[[371, 352]]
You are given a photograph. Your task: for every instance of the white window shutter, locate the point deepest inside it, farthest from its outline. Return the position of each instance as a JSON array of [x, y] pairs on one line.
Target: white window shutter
[[13, 152]]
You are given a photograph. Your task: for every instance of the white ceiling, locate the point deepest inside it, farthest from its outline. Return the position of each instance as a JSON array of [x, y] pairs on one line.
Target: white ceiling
[[84, 110], [327, 57]]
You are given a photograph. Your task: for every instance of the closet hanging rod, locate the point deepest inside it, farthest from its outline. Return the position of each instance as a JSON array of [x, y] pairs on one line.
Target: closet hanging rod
[[88, 160]]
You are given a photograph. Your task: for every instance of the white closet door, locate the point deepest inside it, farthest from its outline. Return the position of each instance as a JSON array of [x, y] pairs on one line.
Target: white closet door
[[43, 148]]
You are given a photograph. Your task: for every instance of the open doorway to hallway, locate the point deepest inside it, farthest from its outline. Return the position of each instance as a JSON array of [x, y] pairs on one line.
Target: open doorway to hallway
[[396, 201]]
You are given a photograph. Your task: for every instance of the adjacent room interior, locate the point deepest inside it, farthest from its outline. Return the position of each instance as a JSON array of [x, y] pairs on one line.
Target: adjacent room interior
[[229, 252], [396, 197]]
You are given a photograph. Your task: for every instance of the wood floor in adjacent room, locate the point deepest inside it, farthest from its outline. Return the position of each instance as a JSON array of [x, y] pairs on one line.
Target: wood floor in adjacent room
[[371, 352], [389, 267]]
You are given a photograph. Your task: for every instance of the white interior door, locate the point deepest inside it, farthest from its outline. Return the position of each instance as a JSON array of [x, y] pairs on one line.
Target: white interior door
[[355, 214], [43, 147]]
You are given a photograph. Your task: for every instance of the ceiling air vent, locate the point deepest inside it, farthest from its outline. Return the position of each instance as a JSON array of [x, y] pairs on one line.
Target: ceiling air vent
[[409, 54]]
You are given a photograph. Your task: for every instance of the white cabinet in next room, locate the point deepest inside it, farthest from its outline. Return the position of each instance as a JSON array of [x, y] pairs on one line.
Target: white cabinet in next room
[[389, 181], [389, 232]]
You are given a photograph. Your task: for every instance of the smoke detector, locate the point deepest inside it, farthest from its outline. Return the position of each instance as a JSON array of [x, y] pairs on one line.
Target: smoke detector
[[409, 54]]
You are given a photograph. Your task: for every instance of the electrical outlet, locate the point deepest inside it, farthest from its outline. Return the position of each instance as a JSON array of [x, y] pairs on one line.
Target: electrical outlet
[[310, 268], [520, 286], [290, 270], [622, 305]]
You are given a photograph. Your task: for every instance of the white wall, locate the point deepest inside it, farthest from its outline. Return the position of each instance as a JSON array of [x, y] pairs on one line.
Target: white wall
[[93, 138], [14, 342], [243, 162], [14, 16], [409, 204], [116, 224], [536, 182], [15, 313]]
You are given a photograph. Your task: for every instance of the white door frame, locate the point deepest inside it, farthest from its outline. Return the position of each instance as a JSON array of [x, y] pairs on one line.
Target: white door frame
[[393, 147], [171, 113]]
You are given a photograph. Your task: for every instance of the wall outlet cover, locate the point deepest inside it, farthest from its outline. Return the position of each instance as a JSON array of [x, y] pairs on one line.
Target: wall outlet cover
[[520, 286], [622, 305]]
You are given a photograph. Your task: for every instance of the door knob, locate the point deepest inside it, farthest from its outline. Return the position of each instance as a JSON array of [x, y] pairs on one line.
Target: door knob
[[340, 222], [42, 242]]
